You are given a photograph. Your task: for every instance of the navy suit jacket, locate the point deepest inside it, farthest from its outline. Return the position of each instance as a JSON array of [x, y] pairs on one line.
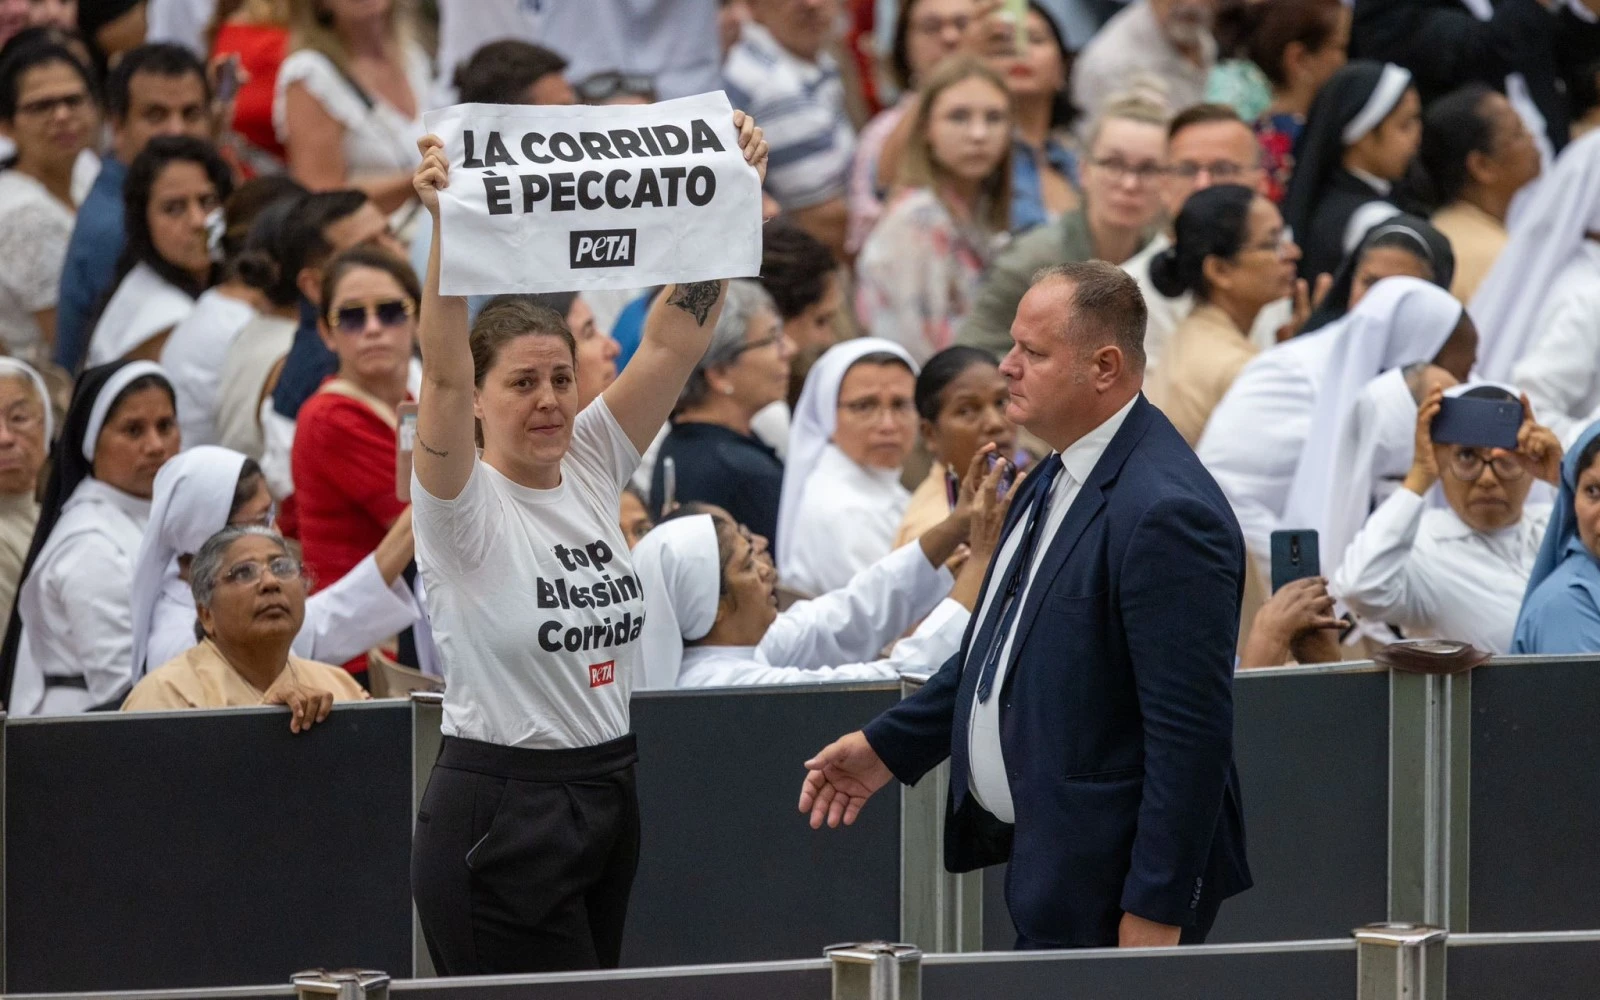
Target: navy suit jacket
[[1117, 708]]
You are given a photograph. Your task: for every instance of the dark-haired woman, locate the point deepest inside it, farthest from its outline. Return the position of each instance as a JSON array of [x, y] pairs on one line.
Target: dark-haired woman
[[174, 195], [70, 642], [1400, 246], [1234, 255], [961, 403], [206, 489], [1478, 154], [537, 615], [48, 110], [1044, 159], [1359, 140]]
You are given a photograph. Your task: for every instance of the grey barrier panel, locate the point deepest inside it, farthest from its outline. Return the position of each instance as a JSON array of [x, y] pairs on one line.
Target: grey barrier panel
[[729, 870], [1535, 814], [1302, 970], [1544, 966], [1312, 747], [800, 980], [153, 850]]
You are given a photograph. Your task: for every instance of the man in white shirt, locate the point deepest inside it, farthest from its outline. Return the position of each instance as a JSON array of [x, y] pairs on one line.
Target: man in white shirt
[[1167, 42], [1089, 714]]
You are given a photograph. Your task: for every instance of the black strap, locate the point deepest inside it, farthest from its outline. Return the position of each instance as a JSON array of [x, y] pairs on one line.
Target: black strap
[[77, 681]]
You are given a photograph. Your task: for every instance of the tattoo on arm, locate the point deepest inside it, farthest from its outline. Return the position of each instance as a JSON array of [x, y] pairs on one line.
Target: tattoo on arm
[[696, 298], [436, 453]]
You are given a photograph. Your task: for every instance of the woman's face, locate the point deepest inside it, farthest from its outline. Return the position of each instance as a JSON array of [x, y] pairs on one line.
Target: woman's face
[[1263, 270], [1378, 263], [969, 128], [1121, 180], [1038, 70], [749, 588], [55, 118], [1514, 155], [252, 603], [1586, 506], [22, 444], [1475, 489], [371, 325], [528, 401], [759, 376], [180, 199], [597, 352], [877, 418], [972, 413], [136, 441], [816, 327], [256, 510], [933, 32], [1393, 144], [634, 518]]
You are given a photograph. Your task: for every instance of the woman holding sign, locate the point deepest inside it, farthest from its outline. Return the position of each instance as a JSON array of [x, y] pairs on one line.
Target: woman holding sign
[[527, 839]]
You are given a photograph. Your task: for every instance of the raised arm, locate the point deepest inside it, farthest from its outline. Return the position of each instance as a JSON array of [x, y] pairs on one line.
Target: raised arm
[[445, 445], [676, 332]]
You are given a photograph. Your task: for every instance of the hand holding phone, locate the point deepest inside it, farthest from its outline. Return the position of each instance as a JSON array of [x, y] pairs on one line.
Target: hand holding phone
[[1476, 422], [1294, 556]]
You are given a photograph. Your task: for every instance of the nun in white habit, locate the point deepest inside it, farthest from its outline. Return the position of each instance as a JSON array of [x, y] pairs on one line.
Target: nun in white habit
[[1539, 307], [1272, 442], [69, 644], [842, 501], [208, 488], [714, 622]]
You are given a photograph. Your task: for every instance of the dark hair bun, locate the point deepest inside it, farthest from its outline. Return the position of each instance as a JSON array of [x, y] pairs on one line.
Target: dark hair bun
[[1165, 275], [257, 269]]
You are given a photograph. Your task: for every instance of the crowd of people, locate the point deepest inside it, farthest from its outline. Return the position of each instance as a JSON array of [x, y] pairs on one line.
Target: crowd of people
[[219, 314]]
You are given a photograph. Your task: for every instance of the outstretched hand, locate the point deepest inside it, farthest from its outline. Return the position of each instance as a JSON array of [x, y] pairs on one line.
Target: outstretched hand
[[433, 173], [840, 779], [752, 143]]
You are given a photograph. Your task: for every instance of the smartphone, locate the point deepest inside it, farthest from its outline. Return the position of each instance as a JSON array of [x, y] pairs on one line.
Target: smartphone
[[1016, 11], [405, 444], [228, 79], [1294, 556], [1477, 423], [952, 488], [1007, 476]]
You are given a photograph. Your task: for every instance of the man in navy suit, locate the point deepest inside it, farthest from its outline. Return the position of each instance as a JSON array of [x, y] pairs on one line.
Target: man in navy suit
[[1089, 713]]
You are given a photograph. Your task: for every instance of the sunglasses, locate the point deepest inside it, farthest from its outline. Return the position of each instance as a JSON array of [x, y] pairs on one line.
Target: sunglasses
[[353, 318], [606, 85]]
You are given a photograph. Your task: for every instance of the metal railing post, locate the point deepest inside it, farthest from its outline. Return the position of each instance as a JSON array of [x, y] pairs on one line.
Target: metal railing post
[[427, 710], [876, 970], [1400, 962], [341, 984]]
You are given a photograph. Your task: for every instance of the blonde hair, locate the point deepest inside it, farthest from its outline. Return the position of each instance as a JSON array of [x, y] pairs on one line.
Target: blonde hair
[[311, 27], [918, 168], [1137, 105]]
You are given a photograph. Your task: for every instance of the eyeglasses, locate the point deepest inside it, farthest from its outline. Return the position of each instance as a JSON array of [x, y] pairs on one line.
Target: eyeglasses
[[1467, 465], [1120, 170], [1222, 171], [247, 574], [933, 24], [756, 345], [46, 106], [353, 318], [1279, 244], [266, 520], [606, 85], [869, 409]]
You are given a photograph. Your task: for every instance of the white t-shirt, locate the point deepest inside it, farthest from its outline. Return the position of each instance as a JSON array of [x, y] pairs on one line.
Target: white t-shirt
[[532, 598]]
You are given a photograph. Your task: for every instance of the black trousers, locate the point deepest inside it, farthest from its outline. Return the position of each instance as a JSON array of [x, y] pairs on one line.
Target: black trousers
[[523, 859]]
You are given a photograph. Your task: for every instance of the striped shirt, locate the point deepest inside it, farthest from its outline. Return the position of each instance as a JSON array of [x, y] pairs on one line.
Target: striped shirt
[[800, 105]]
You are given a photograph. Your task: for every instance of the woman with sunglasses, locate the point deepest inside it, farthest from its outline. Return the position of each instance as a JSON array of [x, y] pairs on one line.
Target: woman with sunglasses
[[345, 440], [206, 489], [250, 593]]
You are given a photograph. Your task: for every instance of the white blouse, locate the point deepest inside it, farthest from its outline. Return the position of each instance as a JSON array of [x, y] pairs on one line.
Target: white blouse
[[33, 248], [847, 521], [193, 358]]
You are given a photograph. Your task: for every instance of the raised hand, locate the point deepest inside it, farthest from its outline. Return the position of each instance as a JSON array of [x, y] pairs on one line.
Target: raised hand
[[1424, 468], [433, 173], [1539, 446], [840, 779], [752, 143], [306, 707]]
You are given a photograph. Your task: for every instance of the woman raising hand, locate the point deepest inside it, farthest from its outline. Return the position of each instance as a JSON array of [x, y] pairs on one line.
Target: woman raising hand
[[537, 616]]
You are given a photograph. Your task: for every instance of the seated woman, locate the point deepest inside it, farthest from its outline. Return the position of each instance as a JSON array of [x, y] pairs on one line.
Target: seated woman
[[1234, 255], [961, 400], [345, 440], [69, 645], [1359, 139], [1401, 246], [842, 499], [1458, 571], [920, 270], [713, 455], [251, 597], [207, 489], [1561, 610], [174, 190], [27, 426], [714, 620]]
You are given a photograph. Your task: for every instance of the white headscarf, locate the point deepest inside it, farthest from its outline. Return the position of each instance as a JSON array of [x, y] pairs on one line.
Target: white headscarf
[[143, 305], [680, 572], [1545, 236], [11, 366], [192, 497], [1399, 322], [816, 416], [120, 380]]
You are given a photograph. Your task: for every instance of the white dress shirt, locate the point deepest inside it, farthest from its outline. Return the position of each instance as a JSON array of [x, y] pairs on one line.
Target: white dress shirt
[[1423, 569], [985, 754], [1560, 372]]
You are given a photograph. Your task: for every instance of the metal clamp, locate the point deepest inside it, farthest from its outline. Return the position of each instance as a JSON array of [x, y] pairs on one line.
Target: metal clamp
[[876, 970], [341, 984], [1400, 962]]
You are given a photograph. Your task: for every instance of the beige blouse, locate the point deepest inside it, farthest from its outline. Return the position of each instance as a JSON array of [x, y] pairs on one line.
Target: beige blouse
[[201, 678], [1477, 238], [19, 515], [929, 505], [1202, 359]]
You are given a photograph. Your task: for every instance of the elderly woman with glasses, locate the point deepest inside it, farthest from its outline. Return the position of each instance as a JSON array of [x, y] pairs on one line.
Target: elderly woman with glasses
[[250, 594]]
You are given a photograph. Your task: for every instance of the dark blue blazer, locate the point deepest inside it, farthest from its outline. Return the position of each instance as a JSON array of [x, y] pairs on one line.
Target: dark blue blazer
[[1117, 712]]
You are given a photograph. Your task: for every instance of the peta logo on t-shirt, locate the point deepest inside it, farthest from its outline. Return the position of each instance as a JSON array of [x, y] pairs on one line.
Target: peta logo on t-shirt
[[601, 674]]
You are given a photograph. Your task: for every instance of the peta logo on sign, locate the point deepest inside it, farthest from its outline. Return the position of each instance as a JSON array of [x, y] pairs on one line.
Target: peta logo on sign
[[604, 248], [601, 674]]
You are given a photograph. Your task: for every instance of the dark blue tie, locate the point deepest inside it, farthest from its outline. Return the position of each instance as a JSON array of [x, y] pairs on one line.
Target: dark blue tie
[[1003, 607]]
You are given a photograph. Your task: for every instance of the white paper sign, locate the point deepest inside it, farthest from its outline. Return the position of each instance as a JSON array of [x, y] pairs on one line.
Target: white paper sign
[[561, 199]]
